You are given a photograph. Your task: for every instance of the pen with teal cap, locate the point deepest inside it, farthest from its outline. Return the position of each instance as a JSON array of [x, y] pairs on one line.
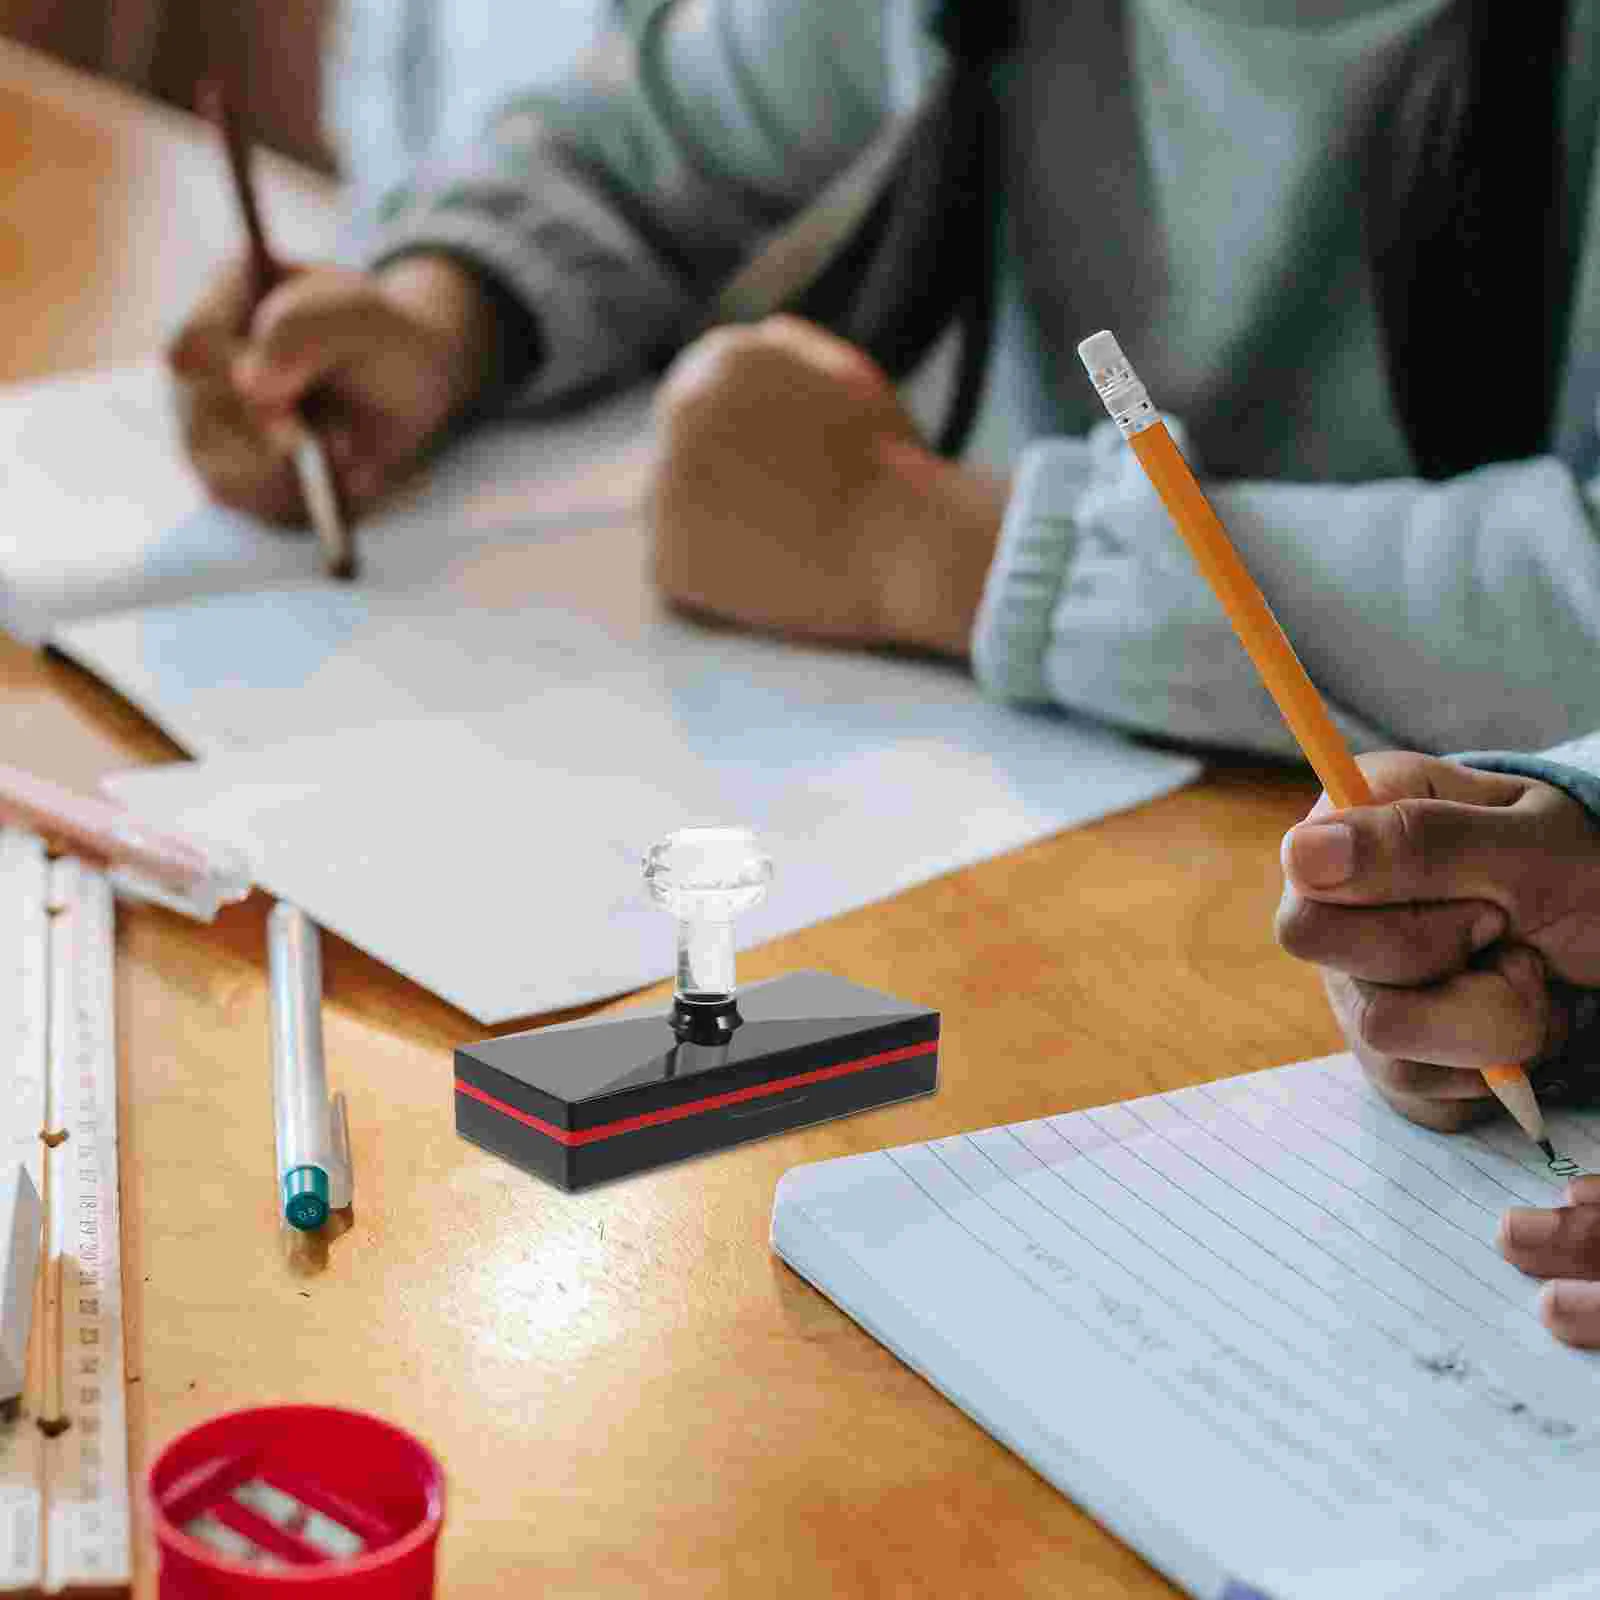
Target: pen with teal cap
[[313, 1132]]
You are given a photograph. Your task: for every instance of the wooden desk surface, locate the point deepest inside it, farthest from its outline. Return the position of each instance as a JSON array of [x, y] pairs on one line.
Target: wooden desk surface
[[113, 215], [629, 1393]]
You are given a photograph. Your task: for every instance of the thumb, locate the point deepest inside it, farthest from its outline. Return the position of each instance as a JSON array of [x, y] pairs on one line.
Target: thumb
[[1409, 850]]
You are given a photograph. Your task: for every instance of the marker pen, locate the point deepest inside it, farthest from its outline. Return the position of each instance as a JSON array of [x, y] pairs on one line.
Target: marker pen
[[313, 1134]]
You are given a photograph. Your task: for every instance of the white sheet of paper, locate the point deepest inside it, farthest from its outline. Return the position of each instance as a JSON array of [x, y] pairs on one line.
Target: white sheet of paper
[[495, 857], [100, 513], [455, 761], [1260, 1329]]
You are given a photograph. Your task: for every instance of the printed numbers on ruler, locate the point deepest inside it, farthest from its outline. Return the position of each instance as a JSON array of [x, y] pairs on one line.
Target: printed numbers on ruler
[[24, 1016], [88, 1527], [64, 1524]]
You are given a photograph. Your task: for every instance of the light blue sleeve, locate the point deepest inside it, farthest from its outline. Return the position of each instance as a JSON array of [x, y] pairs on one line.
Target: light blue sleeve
[[1432, 616]]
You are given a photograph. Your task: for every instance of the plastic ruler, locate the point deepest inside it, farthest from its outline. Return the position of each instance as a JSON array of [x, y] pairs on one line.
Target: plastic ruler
[[64, 1526]]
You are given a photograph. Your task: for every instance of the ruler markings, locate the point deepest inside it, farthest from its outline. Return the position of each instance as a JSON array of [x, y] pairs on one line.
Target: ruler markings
[[24, 1021], [64, 1522], [88, 1538]]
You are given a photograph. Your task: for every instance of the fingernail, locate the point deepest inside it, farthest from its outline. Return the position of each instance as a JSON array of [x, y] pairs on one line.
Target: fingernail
[[1488, 927], [1572, 1297], [1321, 853], [1527, 1230]]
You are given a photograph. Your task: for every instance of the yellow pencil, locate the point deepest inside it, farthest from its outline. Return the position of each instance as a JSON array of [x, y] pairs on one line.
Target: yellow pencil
[[1264, 641]]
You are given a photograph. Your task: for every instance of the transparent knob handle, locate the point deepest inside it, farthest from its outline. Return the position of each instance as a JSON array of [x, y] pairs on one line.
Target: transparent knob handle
[[706, 877]]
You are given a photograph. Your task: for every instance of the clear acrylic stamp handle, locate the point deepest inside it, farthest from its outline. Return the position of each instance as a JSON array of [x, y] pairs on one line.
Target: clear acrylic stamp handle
[[706, 877]]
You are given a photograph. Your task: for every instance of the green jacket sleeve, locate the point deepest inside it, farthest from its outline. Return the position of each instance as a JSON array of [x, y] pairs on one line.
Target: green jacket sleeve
[[609, 206]]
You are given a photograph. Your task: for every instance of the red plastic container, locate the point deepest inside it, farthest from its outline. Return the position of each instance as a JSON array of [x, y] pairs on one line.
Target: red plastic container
[[307, 1500]]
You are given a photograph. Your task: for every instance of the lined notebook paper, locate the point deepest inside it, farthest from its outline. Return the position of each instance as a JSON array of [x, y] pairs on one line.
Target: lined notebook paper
[[1258, 1328]]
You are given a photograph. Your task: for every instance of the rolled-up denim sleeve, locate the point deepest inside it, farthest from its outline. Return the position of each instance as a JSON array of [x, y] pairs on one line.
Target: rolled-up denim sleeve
[[1432, 616], [1573, 767], [1093, 603]]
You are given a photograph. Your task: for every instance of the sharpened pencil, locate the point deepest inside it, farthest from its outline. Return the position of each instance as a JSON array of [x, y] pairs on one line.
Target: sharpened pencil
[[1265, 642], [317, 487]]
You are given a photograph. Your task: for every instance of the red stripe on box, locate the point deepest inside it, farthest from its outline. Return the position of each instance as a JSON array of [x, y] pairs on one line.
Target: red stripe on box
[[651, 1119]]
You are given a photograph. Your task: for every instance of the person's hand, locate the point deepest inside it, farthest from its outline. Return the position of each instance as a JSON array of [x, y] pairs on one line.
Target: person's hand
[[1457, 923], [1561, 1244], [793, 492], [380, 361]]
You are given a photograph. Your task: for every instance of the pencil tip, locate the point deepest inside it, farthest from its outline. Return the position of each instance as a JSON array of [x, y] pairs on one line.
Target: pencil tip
[[1548, 1148], [344, 570]]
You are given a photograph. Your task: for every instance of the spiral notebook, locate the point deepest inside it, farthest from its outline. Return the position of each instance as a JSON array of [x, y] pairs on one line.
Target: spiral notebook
[[1259, 1329]]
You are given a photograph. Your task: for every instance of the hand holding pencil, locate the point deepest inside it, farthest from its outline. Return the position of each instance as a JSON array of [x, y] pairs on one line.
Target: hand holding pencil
[[1457, 924], [1302, 707], [373, 364], [318, 491]]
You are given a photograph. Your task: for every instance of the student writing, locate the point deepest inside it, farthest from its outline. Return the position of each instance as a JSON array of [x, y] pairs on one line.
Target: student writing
[[1457, 923], [1296, 217]]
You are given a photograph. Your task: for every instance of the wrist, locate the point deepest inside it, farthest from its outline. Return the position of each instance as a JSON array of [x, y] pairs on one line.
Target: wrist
[[447, 303], [931, 527]]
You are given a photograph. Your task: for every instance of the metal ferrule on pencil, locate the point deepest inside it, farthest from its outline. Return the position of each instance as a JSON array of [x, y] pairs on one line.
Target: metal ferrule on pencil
[[1117, 384]]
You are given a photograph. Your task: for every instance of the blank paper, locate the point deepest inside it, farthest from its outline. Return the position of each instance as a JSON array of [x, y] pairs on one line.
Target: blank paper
[[496, 857]]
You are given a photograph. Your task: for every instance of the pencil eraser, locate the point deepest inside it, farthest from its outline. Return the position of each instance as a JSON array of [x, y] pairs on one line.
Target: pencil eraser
[[20, 1220], [584, 1102], [1100, 352], [1123, 395]]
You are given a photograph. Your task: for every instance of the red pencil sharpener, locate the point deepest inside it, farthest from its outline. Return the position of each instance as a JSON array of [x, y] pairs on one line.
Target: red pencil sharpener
[[307, 1500]]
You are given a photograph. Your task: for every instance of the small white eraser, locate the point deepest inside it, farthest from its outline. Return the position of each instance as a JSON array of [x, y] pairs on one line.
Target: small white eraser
[[20, 1218], [1100, 352], [1117, 384]]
